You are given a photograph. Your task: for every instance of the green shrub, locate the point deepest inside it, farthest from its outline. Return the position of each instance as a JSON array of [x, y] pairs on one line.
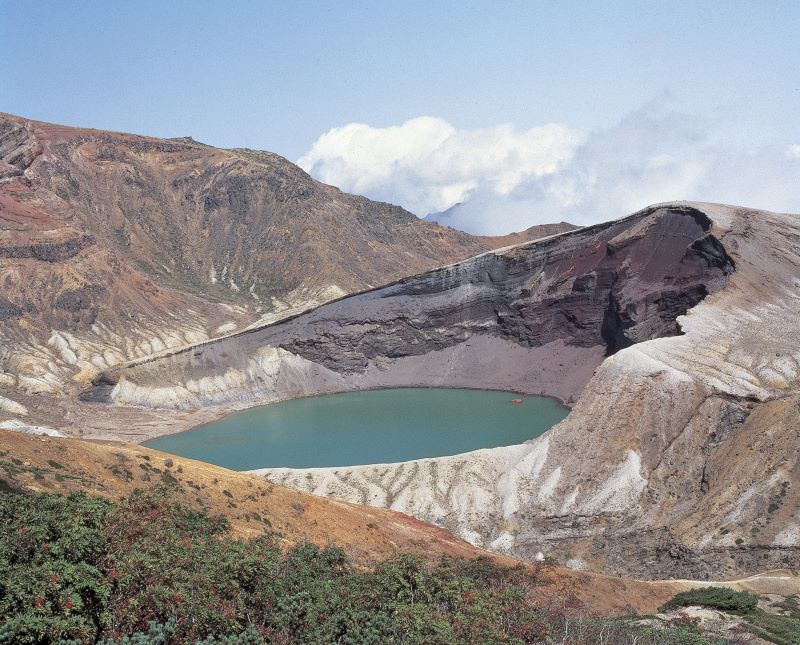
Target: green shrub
[[149, 570], [723, 598], [51, 586]]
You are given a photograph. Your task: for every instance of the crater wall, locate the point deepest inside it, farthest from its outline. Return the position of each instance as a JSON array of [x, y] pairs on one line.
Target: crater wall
[[536, 318], [674, 333]]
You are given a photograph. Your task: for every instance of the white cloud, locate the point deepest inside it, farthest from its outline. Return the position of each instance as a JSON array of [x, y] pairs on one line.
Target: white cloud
[[498, 179], [427, 165]]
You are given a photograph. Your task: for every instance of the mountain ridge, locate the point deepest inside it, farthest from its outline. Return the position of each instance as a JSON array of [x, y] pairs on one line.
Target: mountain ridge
[[126, 313], [115, 246]]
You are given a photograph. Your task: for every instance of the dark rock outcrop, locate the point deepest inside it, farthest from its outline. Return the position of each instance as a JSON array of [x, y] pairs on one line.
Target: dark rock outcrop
[[596, 287], [46, 251], [8, 309]]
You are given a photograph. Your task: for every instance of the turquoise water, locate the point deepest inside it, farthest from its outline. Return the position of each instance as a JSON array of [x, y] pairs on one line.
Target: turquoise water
[[372, 427]]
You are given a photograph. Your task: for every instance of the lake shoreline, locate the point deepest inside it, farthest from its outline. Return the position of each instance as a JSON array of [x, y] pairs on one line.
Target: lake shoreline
[[227, 411], [297, 435]]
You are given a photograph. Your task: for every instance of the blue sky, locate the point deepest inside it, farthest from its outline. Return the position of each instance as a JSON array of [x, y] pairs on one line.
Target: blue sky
[[277, 76]]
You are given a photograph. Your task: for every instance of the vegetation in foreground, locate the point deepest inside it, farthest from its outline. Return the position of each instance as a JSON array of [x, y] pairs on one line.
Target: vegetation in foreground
[[81, 569], [781, 625]]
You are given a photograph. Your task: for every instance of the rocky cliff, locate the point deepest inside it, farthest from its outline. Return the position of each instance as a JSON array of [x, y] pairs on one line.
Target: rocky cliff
[[578, 297], [674, 332]]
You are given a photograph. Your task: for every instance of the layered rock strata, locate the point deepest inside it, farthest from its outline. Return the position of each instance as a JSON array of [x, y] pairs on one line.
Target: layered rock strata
[[536, 317]]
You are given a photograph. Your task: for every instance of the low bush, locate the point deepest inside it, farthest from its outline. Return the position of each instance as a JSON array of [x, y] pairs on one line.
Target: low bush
[[149, 570], [723, 598]]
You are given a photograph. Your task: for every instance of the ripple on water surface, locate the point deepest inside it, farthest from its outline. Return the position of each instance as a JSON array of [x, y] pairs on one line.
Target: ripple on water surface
[[372, 427]]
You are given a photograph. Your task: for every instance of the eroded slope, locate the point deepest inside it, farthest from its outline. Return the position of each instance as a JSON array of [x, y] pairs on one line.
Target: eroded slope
[[537, 317], [679, 457]]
